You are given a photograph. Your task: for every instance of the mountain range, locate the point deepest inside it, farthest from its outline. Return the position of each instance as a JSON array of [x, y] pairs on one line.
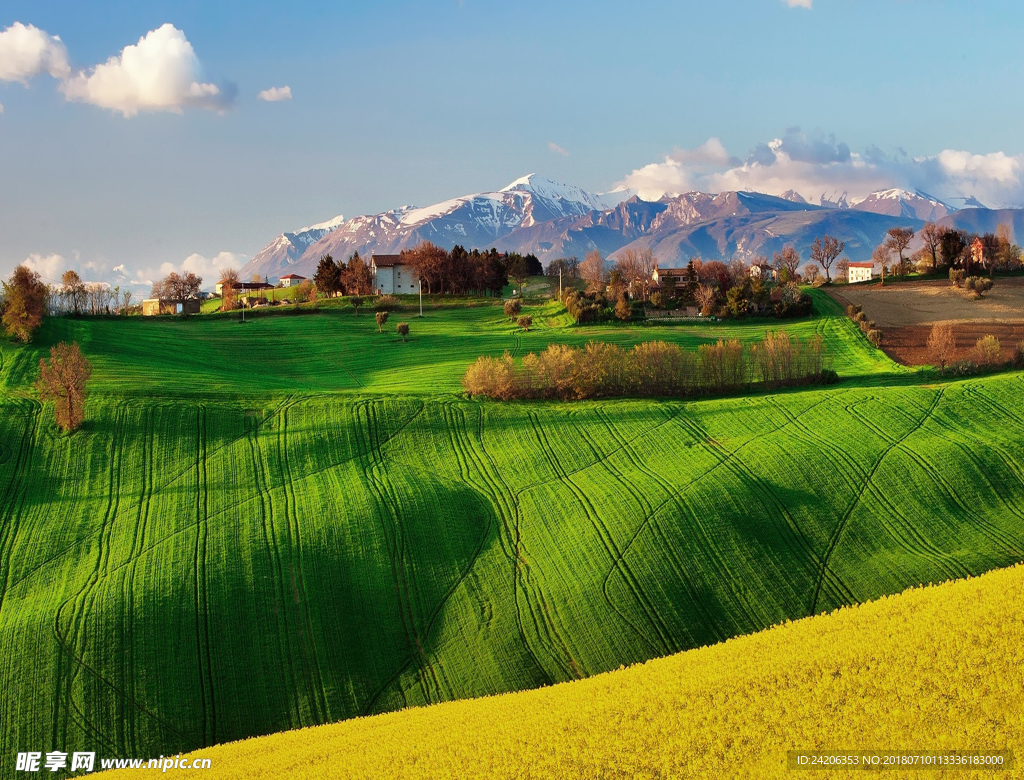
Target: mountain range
[[551, 220]]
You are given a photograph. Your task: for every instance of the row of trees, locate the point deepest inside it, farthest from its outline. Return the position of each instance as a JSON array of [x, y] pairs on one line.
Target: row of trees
[[653, 368], [334, 278], [75, 296]]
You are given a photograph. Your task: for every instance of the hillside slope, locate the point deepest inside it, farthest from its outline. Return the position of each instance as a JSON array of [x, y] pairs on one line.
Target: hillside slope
[[935, 668]]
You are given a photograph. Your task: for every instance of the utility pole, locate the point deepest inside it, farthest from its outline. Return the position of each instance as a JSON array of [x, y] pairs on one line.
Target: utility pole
[[421, 296], [559, 283]]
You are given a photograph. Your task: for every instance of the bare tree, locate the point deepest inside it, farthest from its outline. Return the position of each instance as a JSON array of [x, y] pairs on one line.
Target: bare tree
[[74, 290], [636, 267], [942, 345], [126, 300], [62, 380], [787, 262], [881, 256], [705, 297], [825, 251], [525, 322], [512, 308], [382, 318], [931, 234], [403, 330], [593, 272], [898, 240]]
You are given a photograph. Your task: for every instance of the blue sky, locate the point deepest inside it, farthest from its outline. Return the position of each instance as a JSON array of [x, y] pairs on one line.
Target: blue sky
[[416, 102]]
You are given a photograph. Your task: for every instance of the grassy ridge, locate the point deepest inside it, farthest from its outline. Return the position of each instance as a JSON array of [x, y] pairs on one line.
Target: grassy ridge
[[185, 574], [333, 350], [936, 668]]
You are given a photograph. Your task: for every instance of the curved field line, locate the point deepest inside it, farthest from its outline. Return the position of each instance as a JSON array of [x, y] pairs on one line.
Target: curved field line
[[307, 639], [952, 565], [512, 535], [432, 620], [284, 650], [632, 582], [857, 499], [994, 532]]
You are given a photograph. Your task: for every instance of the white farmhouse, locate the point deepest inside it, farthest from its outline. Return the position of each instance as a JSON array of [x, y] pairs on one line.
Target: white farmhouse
[[859, 272], [392, 276], [292, 280]]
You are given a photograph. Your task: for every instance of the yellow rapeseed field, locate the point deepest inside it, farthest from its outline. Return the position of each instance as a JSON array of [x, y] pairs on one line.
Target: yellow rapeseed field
[[937, 668]]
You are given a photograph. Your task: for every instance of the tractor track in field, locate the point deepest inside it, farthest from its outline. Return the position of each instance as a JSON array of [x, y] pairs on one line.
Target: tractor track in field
[[865, 487], [87, 594], [619, 564], [751, 479], [263, 491], [632, 582], [953, 567], [184, 472], [291, 516], [994, 533], [603, 535], [676, 497], [14, 495], [394, 538], [514, 534], [807, 434], [439, 608], [204, 653]]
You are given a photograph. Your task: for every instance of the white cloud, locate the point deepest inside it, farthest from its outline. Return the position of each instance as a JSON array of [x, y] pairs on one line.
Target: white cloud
[[558, 149], [50, 267], [207, 267], [159, 73], [1, 108], [276, 94], [820, 167], [27, 51], [799, 4]]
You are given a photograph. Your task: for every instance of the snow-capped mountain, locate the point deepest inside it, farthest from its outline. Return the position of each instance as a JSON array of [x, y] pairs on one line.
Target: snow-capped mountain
[[478, 220], [285, 250], [551, 220], [901, 203]]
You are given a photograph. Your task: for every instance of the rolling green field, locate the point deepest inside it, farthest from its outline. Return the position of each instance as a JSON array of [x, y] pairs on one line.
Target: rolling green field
[[298, 520]]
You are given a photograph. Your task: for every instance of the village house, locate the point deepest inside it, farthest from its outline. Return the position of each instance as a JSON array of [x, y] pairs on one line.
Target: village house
[[764, 272], [393, 276], [859, 272], [152, 307], [291, 280], [669, 280]]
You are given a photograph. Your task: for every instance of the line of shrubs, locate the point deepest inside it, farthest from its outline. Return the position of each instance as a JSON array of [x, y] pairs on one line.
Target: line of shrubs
[[651, 369], [987, 354], [856, 313]]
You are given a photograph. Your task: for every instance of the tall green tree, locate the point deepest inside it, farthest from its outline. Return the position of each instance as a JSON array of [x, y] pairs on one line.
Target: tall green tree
[[327, 277]]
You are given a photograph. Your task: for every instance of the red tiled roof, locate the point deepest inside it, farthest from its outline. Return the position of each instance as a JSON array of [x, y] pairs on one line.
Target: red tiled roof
[[862, 265], [293, 276]]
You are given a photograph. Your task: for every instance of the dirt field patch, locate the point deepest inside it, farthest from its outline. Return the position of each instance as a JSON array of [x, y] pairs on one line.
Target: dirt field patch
[[923, 303], [905, 313], [908, 345]]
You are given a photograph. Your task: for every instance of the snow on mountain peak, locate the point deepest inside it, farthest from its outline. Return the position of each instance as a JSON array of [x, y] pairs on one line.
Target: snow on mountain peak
[[330, 224]]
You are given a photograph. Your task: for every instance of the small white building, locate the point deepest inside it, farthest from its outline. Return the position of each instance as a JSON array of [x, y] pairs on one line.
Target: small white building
[[860, 272], [763, 271], [292, 280], [391, 276]]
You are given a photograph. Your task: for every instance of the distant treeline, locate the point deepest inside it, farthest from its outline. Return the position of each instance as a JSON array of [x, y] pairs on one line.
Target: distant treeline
[[652, 368], [455, 272]]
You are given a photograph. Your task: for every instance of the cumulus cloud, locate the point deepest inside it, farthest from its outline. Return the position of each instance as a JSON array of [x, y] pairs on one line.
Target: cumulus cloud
[[207, 267], [276, 94], [822, 168], [49, 267], [159, 73], [558, 149], [27, 51]]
